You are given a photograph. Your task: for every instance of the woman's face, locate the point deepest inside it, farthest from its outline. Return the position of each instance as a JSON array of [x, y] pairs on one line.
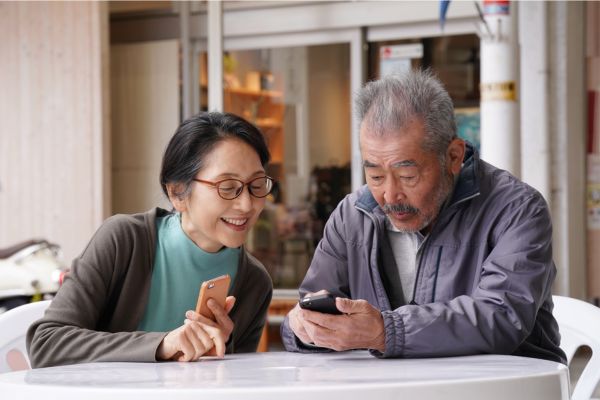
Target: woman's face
[[211, 221]]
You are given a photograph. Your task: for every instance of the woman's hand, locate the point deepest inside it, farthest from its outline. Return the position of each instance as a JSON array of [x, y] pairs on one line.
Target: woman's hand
[[198, 335]]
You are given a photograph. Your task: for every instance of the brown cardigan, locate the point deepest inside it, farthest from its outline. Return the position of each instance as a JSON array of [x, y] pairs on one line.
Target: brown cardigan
[[96, 312]]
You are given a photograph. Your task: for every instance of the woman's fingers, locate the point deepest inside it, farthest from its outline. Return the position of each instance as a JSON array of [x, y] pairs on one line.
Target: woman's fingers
[[217, 336], [201, 339], [194, 316], [187, 350], [221, 316], [199, 336], [229, 303], [189, 342]]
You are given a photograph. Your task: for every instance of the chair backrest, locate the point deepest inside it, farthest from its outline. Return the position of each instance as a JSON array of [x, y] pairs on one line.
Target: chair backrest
[[13, 328], [579, 324]]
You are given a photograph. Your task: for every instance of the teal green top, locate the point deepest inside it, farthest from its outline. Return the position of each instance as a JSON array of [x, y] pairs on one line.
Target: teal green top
[[180, 267]]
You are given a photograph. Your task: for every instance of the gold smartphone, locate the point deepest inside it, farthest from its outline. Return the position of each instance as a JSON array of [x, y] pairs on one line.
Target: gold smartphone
[[215, 289]]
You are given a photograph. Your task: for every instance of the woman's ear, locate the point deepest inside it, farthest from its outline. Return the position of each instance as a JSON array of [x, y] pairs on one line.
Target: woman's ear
[[455, 155], [176, 197]]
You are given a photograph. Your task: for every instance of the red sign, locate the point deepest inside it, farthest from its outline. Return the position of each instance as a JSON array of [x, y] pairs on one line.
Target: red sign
[[496, 7]]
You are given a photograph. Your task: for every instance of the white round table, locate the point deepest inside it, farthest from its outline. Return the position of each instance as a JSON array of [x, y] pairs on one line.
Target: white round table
[[280, 375]]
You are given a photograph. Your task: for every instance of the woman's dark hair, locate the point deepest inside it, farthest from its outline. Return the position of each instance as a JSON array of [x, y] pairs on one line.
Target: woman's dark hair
[[195, 138]]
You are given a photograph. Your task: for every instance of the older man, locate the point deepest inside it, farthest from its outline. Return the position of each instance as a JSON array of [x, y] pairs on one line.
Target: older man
[[440, 253]]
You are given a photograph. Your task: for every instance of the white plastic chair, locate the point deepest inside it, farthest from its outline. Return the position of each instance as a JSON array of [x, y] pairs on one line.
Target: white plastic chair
[[13, 328], [579, 324]]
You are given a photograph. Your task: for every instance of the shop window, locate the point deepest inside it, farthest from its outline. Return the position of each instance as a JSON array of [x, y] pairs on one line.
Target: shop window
[[455, 61], [299, 97]]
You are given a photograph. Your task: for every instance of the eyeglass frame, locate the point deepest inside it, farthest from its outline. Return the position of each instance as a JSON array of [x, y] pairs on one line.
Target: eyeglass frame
[[244, 184]]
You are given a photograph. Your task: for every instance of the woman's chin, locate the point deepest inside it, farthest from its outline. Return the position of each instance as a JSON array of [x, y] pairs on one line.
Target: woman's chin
[[234, 242]]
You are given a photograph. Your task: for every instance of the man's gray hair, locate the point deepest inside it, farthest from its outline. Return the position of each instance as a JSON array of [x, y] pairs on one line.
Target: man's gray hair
[[386, 106]]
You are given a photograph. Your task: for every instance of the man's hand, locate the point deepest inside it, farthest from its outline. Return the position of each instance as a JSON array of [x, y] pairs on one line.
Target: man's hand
[[361, 326], [296, 321], [198, 335]]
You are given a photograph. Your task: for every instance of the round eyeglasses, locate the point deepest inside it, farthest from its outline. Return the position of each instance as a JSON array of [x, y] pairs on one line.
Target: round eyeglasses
[[231, 188]]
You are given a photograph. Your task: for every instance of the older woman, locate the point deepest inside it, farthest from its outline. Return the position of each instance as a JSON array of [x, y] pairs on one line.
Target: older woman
[[129, 296]]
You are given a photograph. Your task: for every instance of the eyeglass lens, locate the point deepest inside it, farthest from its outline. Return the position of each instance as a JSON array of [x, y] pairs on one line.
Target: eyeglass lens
[[231, 188]]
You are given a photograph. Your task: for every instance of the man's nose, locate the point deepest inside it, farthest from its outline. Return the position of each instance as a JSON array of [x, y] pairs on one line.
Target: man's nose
[[392, 191]]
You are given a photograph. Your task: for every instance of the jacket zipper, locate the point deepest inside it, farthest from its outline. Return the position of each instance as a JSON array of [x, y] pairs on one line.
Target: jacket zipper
[[413, 302], [437, 269]]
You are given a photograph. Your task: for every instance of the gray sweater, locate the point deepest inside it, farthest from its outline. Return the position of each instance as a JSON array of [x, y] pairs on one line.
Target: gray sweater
[[483, 282], [97, 310]]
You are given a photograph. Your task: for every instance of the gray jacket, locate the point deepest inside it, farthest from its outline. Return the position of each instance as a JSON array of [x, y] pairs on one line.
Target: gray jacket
[[483, 281]]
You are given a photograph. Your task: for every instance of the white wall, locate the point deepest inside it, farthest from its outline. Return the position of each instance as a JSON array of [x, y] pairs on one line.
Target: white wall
[[145, 114], [53, 122]]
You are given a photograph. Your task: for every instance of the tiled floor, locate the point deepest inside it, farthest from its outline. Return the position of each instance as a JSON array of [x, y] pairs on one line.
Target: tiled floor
[[577, 365]]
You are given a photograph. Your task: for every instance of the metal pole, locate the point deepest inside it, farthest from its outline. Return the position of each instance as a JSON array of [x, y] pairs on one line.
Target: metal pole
[[357, 79], [215, 55], [196, 79], [184, 34]]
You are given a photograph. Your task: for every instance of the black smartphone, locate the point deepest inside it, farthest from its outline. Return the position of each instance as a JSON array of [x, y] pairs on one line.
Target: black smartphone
[[324, 303]]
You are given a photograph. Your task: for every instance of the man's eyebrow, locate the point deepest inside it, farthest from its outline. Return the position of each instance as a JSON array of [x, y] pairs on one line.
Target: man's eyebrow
[[405, 163]]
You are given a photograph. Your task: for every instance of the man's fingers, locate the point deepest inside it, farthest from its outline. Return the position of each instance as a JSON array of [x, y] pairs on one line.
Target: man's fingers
[[348, 306], [360, 326], [310, 329], [329, 321], [319, 335], [296, 324]]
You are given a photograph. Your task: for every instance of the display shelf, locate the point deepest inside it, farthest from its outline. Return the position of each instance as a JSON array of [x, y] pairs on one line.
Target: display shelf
[[253, 93], [265, 109]]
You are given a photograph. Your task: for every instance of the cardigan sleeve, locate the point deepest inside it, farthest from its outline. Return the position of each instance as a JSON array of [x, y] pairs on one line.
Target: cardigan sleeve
[[71, 330]]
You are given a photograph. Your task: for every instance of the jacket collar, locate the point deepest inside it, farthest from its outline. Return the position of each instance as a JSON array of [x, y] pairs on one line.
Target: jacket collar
[[467, 184]]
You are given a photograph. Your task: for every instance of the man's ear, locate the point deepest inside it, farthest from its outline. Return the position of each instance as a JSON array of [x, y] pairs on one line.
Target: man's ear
[[455, 155], [176, 197]]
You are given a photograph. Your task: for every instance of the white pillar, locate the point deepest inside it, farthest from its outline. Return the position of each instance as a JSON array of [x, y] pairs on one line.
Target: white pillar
[[499, 80], [534, 96], [567, 122], [553, 128], [215, 55]]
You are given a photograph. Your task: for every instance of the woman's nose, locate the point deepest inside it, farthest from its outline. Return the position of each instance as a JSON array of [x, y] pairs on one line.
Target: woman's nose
[[244, 200]]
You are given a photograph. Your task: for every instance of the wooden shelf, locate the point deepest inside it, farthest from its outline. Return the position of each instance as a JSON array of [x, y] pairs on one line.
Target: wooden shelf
[[253, 93], [265, 109], [267, 123]]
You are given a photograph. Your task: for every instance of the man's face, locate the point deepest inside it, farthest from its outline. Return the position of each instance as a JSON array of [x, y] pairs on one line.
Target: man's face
[[408, 182]]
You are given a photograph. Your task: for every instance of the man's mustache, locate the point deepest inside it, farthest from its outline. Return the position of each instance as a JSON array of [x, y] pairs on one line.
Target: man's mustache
[[400, 208]]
